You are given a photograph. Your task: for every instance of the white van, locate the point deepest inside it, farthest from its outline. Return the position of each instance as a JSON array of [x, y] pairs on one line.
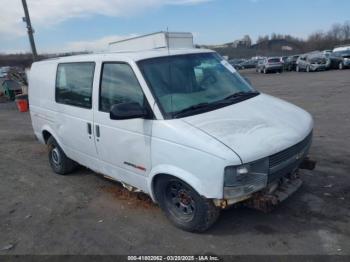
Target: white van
[[179, 124]]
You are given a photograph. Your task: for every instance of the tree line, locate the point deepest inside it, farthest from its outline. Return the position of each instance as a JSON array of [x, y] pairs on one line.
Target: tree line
[[338, 34], [272, 45]]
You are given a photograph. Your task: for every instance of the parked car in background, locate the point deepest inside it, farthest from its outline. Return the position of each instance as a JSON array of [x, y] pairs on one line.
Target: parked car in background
[[333, 61], [341, 48], [311, 63], [344, 55], [251, 63], [270, 64], [283, 59], [235, 62], [327, 52], [10, 89], [4, 71], [291, 63]]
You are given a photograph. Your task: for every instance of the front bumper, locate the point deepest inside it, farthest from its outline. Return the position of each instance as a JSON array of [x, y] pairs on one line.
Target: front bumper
[[280, 166], [274, 68], [273, 194], [268, 199], [318, 67]]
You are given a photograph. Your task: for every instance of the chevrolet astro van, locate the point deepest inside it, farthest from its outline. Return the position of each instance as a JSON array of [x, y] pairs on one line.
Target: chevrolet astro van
[[175, 122]]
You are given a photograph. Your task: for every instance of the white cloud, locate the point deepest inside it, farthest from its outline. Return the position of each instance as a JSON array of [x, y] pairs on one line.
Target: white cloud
[[47, 13]]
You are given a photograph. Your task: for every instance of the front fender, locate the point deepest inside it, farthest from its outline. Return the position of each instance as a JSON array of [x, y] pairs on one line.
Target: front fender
[[184, 175]]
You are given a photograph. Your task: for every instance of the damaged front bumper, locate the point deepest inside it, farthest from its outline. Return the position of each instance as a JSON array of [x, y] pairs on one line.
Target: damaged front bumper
[[274, 193], [268, 199]]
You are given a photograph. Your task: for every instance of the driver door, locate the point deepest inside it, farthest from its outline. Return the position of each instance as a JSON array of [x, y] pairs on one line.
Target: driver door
[[123, 146]]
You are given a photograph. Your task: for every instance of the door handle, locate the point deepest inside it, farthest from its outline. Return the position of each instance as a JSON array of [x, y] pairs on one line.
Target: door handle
[[97, 127], [89, 128]]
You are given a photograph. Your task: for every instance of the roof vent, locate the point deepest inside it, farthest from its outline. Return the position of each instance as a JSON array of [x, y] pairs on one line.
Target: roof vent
[[171, 40]]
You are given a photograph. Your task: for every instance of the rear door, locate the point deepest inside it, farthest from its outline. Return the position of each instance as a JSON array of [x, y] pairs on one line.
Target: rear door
[[123, 145], [73, 95]]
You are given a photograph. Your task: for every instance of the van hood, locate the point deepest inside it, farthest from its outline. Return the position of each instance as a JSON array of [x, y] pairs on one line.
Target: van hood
[[257, 127]]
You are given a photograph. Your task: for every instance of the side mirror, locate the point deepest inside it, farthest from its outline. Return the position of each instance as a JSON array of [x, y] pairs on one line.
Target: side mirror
[[127, 111]]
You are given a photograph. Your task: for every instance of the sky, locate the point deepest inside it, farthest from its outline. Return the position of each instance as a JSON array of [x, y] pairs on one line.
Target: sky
[[78, 25]]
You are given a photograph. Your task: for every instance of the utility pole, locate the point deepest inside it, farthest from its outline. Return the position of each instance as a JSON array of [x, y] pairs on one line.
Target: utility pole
[[30, 30]]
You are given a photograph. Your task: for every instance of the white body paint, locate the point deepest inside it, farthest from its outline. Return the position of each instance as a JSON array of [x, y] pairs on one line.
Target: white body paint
[[195, 149]]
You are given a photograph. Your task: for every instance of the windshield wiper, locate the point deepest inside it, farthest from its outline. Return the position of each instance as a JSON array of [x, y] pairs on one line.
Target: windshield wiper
[[234, 96], [190, 109]]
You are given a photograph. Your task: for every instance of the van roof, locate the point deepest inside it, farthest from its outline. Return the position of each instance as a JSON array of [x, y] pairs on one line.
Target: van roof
[[135, 56]]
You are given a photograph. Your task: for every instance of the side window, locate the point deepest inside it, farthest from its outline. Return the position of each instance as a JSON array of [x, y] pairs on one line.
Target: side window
[[74, 84], [118, 85]]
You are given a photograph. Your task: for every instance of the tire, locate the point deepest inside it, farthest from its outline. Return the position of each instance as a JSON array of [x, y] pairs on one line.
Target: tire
[[341, 66], [297, 69], [265, 70], [308, 69], [58, 160], [183, 206]]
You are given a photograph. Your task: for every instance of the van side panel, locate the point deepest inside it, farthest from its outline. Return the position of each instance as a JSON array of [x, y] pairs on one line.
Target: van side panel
[[67, 124], [41, 93]]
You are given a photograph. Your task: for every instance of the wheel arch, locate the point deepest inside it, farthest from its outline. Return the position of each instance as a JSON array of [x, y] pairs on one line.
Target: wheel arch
[[46, 135], [176, 172], [47, 132]]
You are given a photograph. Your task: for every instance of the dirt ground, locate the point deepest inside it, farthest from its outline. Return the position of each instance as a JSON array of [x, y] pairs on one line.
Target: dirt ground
[[83, 213]]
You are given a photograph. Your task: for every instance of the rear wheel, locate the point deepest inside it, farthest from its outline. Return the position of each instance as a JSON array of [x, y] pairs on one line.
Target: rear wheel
[[183, 206], [59, 162]]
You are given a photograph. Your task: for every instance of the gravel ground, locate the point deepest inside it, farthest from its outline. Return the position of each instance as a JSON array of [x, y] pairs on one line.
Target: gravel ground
[[83, 213]]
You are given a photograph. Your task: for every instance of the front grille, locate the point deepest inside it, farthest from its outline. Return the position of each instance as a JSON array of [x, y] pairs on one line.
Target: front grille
[[288, 153]]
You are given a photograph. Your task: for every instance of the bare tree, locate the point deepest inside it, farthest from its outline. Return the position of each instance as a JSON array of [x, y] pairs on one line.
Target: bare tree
[[346, 30]]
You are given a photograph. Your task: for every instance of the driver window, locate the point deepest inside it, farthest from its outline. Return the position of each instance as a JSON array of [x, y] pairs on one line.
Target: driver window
[[118, 85]]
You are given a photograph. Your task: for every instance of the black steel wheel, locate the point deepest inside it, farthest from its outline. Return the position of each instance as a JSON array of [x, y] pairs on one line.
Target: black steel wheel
[[179, 200], [184, 206], [59, 162]]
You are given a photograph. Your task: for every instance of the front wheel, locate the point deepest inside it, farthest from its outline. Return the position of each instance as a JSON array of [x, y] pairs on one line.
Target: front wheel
[[59, 162], [183, 206]]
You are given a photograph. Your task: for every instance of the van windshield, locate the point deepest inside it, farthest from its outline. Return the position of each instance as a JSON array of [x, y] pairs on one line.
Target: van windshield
[[190, 84]]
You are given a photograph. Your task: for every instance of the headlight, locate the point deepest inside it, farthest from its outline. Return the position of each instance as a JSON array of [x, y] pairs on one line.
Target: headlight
[[245, 179]]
